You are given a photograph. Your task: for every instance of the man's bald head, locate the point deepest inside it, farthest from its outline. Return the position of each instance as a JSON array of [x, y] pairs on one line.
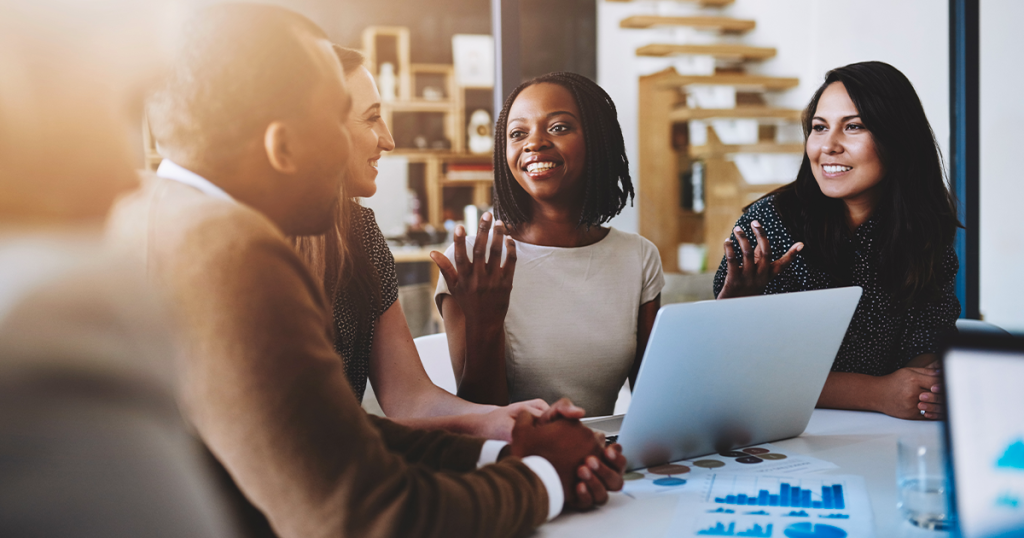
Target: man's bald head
[[238, 68]]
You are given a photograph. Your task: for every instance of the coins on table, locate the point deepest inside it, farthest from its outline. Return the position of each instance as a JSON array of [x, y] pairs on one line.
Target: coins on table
[[755, 451], [669, 469], [773, 456], [632, 476], [709, 464]]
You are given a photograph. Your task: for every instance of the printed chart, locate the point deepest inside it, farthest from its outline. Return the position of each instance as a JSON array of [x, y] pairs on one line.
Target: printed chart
[[671, 478], [768, 506]]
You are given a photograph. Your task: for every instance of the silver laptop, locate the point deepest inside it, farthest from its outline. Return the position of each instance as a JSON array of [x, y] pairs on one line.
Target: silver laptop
[[718, 375]]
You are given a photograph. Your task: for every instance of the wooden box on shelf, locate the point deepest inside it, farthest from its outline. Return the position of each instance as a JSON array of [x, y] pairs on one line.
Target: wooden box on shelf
[[374, 40]]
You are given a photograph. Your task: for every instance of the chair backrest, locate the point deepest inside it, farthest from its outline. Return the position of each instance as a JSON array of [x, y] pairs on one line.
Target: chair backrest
[[974, 326], [433, 350]]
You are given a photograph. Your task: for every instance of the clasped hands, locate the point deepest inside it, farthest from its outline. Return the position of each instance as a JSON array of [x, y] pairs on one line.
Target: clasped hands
[[588, 470], [913, 393]]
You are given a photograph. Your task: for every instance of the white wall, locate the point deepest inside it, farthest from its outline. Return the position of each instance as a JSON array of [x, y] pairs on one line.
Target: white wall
[[812, 36], [1002, 190]]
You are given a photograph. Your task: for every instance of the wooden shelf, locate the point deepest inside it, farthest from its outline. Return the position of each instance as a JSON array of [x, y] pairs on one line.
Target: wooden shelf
[[749, 112], [445, 182], [669, 78], [722, 24], [724, 51], [703, 3], [703, 152], [419, 105]]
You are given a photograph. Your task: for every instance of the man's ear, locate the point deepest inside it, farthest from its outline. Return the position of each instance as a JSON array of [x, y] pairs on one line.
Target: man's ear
[[277, 142]]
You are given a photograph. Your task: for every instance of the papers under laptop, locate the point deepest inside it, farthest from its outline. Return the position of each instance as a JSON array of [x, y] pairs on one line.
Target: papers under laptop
[[985, 434], [718, 375]]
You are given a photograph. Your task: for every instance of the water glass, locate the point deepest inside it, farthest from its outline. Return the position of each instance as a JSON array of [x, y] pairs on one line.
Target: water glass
[[922, 481]]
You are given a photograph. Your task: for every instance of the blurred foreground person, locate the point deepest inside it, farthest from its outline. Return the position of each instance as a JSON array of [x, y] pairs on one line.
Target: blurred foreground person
[[91, 441], [253, 127]]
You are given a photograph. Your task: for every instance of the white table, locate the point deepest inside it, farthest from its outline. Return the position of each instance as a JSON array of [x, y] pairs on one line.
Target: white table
[[859, 443]]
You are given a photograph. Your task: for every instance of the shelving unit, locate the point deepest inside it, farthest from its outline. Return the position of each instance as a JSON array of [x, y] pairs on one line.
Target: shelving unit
[[666, 149], [411, 101], [723, 51], [703, 3], [722, 24]]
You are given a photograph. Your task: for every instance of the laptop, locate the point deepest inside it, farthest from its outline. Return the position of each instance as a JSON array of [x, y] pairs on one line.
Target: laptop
[[984, 377], [718, 375]]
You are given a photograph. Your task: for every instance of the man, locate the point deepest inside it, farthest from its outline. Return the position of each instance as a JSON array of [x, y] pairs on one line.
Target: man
[[252, 124], [91, 441]]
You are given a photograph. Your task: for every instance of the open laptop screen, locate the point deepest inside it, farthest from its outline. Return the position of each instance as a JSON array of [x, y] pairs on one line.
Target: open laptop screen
[[985, 435]]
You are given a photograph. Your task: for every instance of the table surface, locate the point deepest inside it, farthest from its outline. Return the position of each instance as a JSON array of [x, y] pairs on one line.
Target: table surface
[[859, 443]]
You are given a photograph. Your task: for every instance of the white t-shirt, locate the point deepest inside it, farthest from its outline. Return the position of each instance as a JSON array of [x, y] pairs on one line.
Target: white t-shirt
[[571, 324]]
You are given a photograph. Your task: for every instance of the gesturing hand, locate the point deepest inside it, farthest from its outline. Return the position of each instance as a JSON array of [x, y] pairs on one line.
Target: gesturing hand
[[758, 269], [480, 287]]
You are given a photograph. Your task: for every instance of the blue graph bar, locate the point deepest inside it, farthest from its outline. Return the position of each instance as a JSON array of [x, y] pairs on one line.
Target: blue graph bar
[[789, 495], [719, 530], [757, 531], [837, 497]]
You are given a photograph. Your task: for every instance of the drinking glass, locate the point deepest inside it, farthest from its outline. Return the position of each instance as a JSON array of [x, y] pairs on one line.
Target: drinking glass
[[923, 485]]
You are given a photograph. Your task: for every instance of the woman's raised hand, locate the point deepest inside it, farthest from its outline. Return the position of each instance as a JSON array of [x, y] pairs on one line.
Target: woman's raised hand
[[480, 287], [758, 269]]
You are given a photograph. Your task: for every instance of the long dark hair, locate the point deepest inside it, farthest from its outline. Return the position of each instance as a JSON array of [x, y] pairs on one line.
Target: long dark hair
[[338, 257], [916, 214], [608, 185]]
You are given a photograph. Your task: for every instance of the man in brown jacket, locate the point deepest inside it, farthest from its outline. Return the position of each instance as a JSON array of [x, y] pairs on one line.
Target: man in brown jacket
[[254, 115]]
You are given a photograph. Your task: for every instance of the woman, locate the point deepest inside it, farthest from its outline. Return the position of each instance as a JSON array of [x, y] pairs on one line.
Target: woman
[[358, 270], [869, 208], [585, 296]]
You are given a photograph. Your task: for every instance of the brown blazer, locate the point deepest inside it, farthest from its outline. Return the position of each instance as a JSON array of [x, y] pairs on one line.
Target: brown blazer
[[267, 393]]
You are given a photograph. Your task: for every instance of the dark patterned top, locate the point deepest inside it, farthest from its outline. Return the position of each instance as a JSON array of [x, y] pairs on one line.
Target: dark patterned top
[[882, 336], [351, 343]]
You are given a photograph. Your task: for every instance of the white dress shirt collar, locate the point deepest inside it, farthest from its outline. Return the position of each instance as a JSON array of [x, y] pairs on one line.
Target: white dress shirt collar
[[175, 172]]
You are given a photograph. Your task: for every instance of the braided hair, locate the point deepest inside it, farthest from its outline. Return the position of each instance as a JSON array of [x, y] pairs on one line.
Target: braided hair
[[606, 163]]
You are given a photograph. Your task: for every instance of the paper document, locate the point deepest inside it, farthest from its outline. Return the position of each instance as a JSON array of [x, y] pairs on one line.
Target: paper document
[[766, 506], [766, 458]]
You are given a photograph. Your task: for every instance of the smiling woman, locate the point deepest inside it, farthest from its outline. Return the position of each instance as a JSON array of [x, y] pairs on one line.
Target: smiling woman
[[577, 320], [869, 208]]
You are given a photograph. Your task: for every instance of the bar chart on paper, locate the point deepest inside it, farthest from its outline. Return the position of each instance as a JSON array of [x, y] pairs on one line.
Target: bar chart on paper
[[774, 506], [826, 496]]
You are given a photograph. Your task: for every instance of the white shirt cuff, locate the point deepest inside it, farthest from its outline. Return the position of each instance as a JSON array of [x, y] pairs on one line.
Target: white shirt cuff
[[549, 477], [489, 452]]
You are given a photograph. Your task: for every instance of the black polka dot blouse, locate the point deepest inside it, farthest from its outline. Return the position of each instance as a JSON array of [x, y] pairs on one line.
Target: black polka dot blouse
[[882, 336], [352, 344]]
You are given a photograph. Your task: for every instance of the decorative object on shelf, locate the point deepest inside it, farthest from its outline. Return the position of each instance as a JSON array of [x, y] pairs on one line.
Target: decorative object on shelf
[[430, 93], [389, 44], [470, 172], [481, 139], [420, 142], [388, 82], [474, 60]]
